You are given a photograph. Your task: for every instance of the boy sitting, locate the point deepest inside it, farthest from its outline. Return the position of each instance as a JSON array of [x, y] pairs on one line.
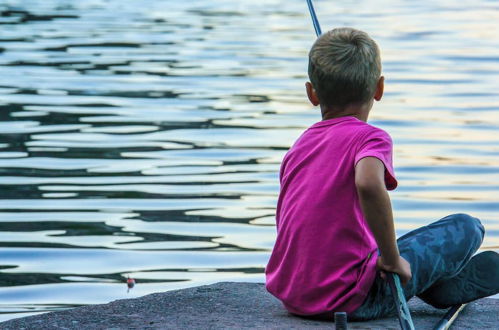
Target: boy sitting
[[335, 231]]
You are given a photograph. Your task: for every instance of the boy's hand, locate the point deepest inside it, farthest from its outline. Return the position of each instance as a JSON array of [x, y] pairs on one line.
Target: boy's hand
[[401, 267]]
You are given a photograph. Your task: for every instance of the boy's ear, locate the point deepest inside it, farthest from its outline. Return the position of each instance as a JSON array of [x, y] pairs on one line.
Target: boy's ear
[[380, 87], [312, 95]]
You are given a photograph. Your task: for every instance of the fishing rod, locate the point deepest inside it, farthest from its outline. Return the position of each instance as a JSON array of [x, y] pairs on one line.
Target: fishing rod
[[449, 317], [403, 312], [317, 26]]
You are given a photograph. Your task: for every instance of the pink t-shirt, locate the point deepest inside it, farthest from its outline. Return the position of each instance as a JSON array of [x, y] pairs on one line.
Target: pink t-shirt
[[324, 257]]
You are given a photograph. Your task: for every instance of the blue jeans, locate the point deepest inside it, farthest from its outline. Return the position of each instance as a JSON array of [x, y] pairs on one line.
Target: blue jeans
[[436, 252]]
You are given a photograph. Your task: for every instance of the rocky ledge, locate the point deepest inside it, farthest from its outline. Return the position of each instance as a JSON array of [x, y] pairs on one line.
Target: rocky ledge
[[230, 305]]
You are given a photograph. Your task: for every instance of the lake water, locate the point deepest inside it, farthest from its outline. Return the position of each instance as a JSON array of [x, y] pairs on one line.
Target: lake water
[[143, 138]]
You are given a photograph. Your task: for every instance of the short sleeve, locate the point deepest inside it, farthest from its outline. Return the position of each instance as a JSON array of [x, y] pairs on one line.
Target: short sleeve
[[377, 143]]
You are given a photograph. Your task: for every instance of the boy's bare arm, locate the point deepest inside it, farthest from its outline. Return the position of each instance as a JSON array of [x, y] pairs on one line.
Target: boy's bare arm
[[377, 209]]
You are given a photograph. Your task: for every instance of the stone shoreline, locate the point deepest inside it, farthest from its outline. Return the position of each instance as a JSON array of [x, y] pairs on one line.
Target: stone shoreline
[[230, 305]]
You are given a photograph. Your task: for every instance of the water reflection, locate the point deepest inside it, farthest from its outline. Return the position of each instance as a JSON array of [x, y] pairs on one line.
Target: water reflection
[[144, 139]]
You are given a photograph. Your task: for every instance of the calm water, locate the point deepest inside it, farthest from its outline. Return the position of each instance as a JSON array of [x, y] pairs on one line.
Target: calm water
[[143, 138]]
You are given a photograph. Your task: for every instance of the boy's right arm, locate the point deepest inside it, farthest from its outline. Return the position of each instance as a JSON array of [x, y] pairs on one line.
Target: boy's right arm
[[377, 210]]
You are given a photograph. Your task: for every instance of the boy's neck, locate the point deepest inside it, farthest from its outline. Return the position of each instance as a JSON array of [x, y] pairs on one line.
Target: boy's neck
[[359, 111]]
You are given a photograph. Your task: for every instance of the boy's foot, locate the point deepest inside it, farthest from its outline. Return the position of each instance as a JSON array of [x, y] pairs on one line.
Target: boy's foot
[[478, 279]]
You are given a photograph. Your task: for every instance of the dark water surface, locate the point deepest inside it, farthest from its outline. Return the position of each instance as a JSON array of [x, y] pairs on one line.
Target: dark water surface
[[143, 138]]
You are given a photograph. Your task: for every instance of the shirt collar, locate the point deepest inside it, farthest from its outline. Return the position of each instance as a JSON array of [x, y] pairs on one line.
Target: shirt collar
[[333, 121]]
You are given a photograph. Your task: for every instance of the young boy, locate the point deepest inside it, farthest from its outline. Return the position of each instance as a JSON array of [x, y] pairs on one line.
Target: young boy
[[335, 231]]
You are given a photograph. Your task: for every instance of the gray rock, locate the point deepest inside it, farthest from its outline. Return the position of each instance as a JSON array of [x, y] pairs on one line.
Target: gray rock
[[229, 305]]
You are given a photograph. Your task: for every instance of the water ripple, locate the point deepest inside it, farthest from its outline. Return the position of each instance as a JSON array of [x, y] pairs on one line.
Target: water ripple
[[144, 139]]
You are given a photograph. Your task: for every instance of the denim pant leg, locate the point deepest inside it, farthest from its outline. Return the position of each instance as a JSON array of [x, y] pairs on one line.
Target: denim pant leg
[[436, 252]]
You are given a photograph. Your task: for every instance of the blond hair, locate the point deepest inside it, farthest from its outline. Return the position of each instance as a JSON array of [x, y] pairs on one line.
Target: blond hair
[[344, 67]]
